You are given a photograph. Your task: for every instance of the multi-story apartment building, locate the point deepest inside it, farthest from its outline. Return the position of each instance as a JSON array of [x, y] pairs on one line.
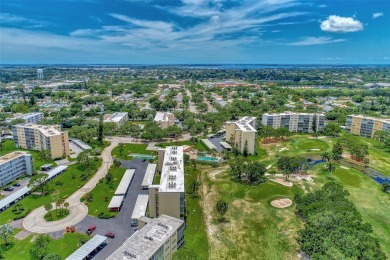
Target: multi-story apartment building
[[158, 239], [42, 137], [168, 197], [366, 126], [118, 118], [31, 118], [14, 165], [295, 122], [164, 119], [241, 132]]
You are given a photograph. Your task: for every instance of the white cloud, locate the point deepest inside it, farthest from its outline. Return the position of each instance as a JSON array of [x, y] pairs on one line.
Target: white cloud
[[376, 15], [339, 24], [12, 20], [315, 41]]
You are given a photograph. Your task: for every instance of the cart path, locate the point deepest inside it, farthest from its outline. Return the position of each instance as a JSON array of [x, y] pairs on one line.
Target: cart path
[[35, 222]]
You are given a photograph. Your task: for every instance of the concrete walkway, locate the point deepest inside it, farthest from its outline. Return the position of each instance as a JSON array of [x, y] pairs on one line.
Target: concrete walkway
[[35, 222]]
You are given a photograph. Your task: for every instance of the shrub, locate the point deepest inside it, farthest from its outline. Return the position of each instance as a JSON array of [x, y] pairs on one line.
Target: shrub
[[59, 183]]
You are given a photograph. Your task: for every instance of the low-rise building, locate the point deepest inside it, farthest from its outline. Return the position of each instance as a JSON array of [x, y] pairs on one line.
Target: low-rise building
[[164, 119], [366, 126], [242, 133], [295, 122], [42, 137], [168, 197], [159, 238], [118, 118], [15, 165]]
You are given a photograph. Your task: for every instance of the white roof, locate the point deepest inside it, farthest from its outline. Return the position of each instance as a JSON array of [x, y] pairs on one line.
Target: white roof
[[87, 248], [172, 173], [125, 182], [56, 171], [209, 144], [13, 155], [116, 117], [14, 196], [29, 115], [80, 143], [226, 145], [116, 202], [144, 243], [161, 116], [140, 206], [286, 113], [149, 174]]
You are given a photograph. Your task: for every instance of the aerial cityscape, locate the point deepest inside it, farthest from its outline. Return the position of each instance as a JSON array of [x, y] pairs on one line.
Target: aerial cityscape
[[194, 129]]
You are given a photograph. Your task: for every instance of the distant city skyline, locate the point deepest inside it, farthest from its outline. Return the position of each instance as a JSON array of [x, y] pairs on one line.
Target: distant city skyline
[[194, 32]]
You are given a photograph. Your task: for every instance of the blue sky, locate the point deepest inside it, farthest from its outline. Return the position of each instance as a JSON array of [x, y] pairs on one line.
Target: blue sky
[[195, 31]]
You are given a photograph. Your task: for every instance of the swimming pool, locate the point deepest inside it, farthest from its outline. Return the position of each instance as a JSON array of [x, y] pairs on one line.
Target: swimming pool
[[142, 156], [208, 159]]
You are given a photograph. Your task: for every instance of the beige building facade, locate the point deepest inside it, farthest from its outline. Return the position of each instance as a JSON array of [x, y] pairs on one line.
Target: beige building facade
[[366, 126], [168, 197], [42, 137], [241, 132]]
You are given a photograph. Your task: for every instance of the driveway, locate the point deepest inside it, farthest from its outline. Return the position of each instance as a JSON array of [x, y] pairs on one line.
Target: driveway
[[35, 222], [121, 224]]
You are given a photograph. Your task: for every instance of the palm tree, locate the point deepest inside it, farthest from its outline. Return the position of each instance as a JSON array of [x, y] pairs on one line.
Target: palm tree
[[366, 161], [48, 206], [121, 148], [221, 207], [331, 166], [66, 205], [326, 156]]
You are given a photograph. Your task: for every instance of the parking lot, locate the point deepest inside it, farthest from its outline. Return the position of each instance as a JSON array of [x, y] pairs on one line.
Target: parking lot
[[121, 224], [23, 183], [216, 141]]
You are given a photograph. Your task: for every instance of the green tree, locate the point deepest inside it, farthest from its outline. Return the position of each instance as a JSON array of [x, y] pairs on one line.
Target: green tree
[[40, 247], [245, 150], [44, 155], [385, 186], [38, 181], [326, 156], [331, 166], [337, 150], [120, 149], [314, 124], [19, 108], [194, 188], [48, 207], [332, 129], [100, 135], [6, 232], [221, 208]]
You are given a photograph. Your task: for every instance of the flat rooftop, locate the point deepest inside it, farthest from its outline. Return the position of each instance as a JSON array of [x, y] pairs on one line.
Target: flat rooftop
[[140, 206], [385, 120], [28, 115], [286, 113], [11, 156], [116, 117], [245, 124], [46, 130], [172, 173], [161, 116], [144, 243]]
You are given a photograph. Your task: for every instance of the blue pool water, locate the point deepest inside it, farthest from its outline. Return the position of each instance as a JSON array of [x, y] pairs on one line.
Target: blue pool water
[[208, 159]]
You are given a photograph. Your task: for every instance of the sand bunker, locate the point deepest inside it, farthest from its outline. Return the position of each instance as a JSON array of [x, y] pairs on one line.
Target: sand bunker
[[281, 203], [343, 167]]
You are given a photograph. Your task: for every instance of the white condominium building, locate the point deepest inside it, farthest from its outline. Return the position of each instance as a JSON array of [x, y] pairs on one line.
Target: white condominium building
[[168, 197], [242, 132], [164, 119], [31, 118], [42, 137], [158, 239], [118, 118], [295, 122], [14, 165]]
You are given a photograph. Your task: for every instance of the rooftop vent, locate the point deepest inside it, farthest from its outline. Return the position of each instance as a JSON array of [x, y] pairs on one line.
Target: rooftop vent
[[129, 255], [163, 225], [148, 238]]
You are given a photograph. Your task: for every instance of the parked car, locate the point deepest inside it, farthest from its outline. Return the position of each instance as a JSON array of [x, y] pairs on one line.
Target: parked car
[[17, 184], [110, 235], [9, 189], [90, 230]]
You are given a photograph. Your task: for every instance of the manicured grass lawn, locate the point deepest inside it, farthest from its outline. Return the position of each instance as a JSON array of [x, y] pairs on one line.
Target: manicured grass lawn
[[195, 233], [64, 246], [254, 229], [103, 192], [131, 148], [71, 182], [56, 214], [366, 194]]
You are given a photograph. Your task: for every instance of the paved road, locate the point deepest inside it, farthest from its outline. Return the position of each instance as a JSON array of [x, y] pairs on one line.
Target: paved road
[[35, 221], [121, 224]]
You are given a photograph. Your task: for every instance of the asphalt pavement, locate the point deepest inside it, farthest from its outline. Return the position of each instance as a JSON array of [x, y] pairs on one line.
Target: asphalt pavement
[[121, 224]]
